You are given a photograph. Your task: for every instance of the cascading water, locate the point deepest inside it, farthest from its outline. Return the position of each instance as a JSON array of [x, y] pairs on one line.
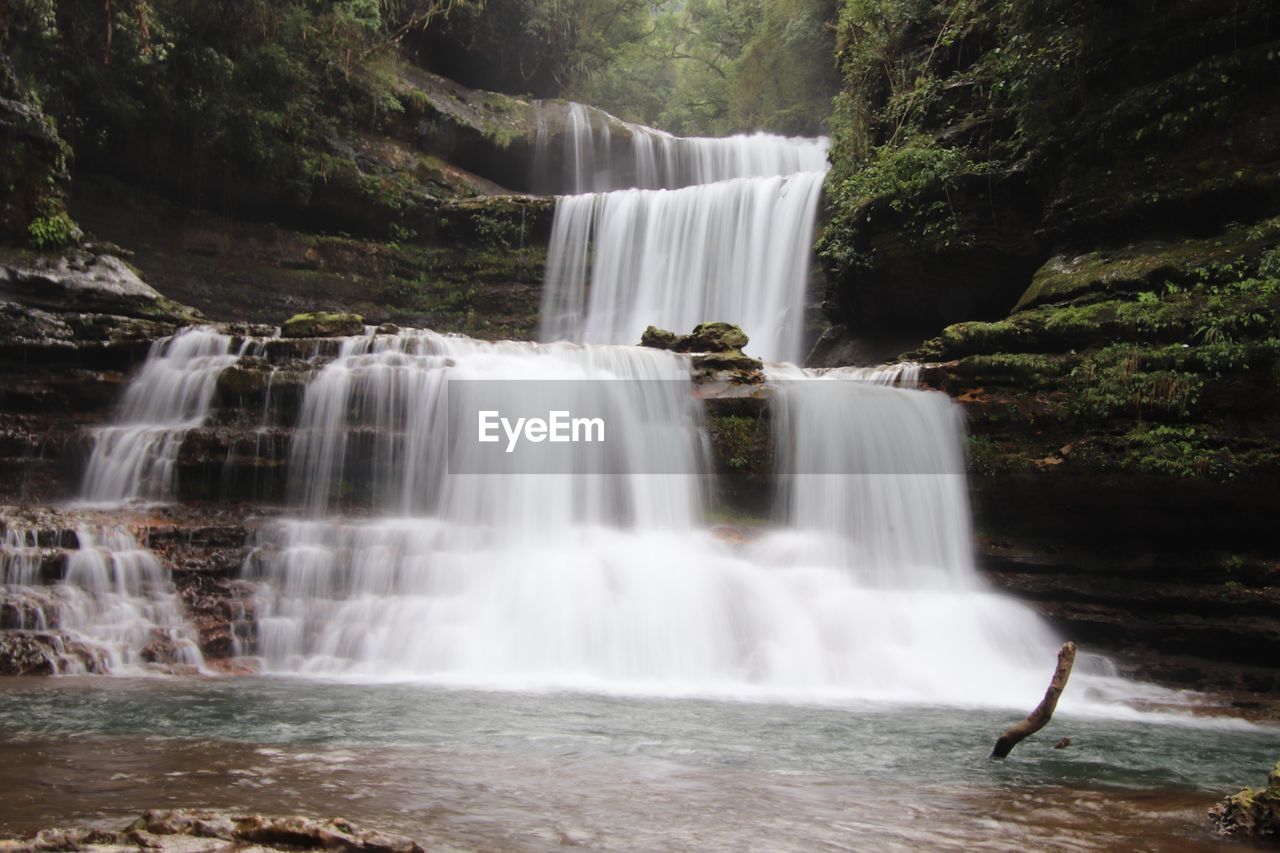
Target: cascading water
[[601, 152], [616, 582], [134, 458], [114, 601], [733, 242], [112, 610]]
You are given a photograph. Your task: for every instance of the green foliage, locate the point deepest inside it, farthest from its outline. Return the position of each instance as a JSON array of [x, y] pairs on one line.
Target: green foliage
[[732, 436], [57, 231], [247, 90], [706, 67], [1121, 381], [1178, 451]]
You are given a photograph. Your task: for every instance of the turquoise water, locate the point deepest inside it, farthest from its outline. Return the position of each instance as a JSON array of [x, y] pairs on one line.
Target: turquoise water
[[476, 768]]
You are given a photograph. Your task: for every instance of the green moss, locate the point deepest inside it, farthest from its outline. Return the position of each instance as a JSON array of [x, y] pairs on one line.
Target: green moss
[[322, 324], [1127, 381], [732, 439], [1031, 371], [1155, 264]]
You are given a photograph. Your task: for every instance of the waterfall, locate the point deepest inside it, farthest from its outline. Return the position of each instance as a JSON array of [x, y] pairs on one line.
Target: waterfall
[[728, 236], [468, 574], [876, 468], [134, 458], [373, 425], [606, 575], [600, 152], [112, 610], [112, 607]]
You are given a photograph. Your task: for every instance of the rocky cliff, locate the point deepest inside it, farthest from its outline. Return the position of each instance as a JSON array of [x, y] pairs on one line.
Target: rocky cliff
[[1070, 209]]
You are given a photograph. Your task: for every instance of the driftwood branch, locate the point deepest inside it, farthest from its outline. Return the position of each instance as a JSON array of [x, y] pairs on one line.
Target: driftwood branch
[[1043, 712]]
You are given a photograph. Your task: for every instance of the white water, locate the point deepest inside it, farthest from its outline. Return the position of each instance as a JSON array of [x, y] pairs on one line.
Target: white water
[[607, 576], [600, 152], [115, 602], [134, 458], [377, 415], [615, 582], [113, 605], [712, 229], [736, 251]]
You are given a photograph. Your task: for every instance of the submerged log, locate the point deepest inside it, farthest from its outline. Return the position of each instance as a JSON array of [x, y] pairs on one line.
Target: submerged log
[[1043, 712]]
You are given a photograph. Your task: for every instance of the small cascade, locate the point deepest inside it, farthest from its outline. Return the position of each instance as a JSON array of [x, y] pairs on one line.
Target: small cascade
[[134, 458], [373, 424], [878, 468], [737, 250], [105, 606], [601, 152], [683, 231]]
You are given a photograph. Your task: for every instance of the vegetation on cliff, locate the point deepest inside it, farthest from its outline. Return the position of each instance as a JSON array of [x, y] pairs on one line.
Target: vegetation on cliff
[[695, 67], [1078, 200]]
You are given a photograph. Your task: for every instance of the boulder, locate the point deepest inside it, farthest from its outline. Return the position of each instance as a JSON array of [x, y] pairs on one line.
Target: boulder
[[706, 337], [659, 338], [175, 830], [1251, 813], [716, 337], [80, 281], [322, 324], [731, 366]]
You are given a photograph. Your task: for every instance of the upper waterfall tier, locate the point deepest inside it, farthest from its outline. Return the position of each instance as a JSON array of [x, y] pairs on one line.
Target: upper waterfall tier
[[736, 251], [134, 458], [598, 152]]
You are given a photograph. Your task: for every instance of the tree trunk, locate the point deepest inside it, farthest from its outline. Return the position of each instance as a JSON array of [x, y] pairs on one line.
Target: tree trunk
[[1043, 712]]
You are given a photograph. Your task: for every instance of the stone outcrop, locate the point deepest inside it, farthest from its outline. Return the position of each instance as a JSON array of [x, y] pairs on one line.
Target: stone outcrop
[[85, 282], [717, 352], [190, 830], [322, 324], [1251, 813]]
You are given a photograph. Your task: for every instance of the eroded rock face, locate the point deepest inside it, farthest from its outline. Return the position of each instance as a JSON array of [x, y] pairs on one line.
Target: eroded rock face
[[184, 830]]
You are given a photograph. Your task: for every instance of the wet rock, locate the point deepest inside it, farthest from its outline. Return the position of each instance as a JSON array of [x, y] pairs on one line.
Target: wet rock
[[322, 324], [80, 281], [243, 379], [1251, 813], [714, 337], [182, 831], [25, 654], [45, 653], [732, 366], [656, 338]]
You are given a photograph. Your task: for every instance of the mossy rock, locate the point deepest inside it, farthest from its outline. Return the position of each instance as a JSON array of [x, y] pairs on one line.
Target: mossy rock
[[322, 324], [717, 337], [1144, 265], [656, 338], [1251, 813], [733, 366], [243, 379], [714, 337]]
